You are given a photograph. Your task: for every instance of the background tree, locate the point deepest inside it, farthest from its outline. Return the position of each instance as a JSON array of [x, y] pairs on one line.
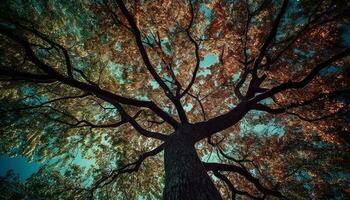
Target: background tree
[[248, 99]]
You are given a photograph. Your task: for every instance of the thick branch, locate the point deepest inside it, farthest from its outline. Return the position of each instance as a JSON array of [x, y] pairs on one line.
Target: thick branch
[[234, 191], [16, 75], [241, 81], [222, 122], [284, 108], [300, 84], [244, 173]]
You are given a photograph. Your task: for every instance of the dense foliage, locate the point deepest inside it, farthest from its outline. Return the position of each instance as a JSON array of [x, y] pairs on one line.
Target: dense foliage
[[92, 88]]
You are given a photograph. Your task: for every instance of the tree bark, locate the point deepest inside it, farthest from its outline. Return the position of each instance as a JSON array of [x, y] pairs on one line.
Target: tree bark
[[185, 175]]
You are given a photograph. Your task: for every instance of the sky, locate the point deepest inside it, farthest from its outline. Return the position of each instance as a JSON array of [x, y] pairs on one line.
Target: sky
[[19, 164]]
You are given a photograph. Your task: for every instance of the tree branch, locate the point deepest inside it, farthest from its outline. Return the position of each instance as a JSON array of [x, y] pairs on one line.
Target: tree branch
[[256, 81], [284, 108], [129, 168], [47, 102], [196, 45], [52, 43], [222, 122], [234, 191], [16, 75], [226, 120], [147, 62], [126, 117], [270, 37], [103, 94], [247, 61], [300, 84], [245, 174]]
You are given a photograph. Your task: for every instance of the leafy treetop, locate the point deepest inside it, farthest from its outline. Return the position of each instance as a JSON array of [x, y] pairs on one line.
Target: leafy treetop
[[265, 82]]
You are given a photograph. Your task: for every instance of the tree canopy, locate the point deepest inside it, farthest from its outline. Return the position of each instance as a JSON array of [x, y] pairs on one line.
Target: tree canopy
[[94, 89]]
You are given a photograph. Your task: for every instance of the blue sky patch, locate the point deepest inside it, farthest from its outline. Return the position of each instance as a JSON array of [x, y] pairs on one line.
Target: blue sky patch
[[206, 63], [346, 35], [330, 70], [19, 164], [209, 60], [207, 12], [188, 107]]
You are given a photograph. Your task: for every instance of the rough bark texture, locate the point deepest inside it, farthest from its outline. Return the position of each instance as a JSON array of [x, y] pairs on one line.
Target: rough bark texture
[[185, 176]]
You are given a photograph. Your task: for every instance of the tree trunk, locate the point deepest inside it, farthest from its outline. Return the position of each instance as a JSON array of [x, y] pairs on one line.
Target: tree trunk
[[185, 176]]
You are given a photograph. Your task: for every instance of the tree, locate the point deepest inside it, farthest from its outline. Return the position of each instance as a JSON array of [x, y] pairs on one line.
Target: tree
[[244, 99]]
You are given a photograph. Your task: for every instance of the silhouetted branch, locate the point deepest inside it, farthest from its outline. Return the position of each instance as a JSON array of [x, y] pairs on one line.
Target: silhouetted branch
[[323, 117], [300, 84], [285, 108], [128, 168], [271, 36], [147, 62], [11, 74], [200, 104], [234, 191], [53, 44], [245, 174], [196, 45], [126, 117], [226, 120], [256, 81], [47, 102], [160, 52], [103, 94]]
